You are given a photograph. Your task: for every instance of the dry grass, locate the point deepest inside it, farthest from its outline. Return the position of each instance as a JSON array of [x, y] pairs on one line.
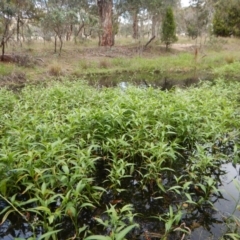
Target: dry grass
[[103, 63], [87, 57], [55, 70], [229, 59]]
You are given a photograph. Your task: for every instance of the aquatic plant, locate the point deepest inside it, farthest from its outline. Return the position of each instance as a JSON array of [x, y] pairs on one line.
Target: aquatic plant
[[69, 150], [118, 225]]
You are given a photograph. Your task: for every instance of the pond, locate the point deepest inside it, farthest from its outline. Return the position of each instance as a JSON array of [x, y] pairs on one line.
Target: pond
[[163, 80], [204, 222], [229, 185]]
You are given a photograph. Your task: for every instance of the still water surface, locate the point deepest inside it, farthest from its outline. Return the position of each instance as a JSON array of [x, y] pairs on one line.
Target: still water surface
[[226, 206]]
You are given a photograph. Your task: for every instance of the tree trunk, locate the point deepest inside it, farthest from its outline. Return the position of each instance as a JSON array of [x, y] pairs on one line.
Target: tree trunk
[[5, 38], [135, 25], [106, 22], [150, 40], [69, 33], [18, 28], [61, 44], [78, 32], [154, 23], [55, 43], [3, 49]]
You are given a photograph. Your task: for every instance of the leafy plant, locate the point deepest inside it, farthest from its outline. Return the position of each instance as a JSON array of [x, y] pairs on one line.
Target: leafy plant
[[64, 143], [118, 225]]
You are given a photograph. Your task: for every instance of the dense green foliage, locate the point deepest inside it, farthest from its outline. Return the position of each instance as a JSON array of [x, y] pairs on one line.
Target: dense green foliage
[[52, 139], [169, 28], [226, 20]]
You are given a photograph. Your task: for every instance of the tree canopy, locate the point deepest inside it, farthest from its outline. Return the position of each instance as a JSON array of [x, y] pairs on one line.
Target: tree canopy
[[226, 21], [64, 20]]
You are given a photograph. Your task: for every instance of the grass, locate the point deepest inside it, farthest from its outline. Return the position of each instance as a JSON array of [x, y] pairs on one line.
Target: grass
[[6, 69], [84, 59], [230, 70], [55, 69], [56, 138]]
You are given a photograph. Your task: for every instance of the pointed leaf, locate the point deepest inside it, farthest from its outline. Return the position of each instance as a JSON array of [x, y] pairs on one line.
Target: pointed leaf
[[98, 237], [65, 169], [48, 234], [6, 216], [80, 186], [124, 232]]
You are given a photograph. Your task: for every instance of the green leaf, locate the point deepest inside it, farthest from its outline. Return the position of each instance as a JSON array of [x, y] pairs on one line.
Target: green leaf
[[202, 187], [189, 198], [28, 201], [186, 185], [210, 181], [128, 207], [30, 185], [3, 186], [87, 205], [44, 209], [82, 229], [175, 188], [49, 234], [98, 237], [124, 232], [80, 186], [71, 210], [234, 236], [65, 169], [43, 188], [168, 225], [31, 238], [6, 216], [104, 223], [51, 219]]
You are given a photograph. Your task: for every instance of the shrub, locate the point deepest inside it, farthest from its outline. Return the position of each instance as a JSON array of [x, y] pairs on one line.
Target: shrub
[[55, 70]]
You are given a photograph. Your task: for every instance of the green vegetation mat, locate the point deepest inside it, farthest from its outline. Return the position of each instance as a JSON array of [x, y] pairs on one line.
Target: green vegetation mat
[[66, 146]]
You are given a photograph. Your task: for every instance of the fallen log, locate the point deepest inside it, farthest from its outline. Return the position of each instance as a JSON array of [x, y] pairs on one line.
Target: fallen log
[[150, 40]]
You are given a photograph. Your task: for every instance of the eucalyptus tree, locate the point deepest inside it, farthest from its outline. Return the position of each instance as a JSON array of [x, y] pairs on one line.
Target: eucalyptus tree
[[198, 22], [59, 18], [25, 10], [7, 13], [129, 10], [133, 7], [86, 14], [105, 11], [154, 8]]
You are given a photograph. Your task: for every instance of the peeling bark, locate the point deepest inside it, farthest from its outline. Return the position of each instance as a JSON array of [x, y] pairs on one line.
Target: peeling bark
[[106, 22]]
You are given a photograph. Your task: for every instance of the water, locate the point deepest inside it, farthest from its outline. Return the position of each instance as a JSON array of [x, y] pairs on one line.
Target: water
[[208, 224], [140, 78], [225, 206]]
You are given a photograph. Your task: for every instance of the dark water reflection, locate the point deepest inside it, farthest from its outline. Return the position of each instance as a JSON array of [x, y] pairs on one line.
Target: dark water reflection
[[206, 222], [155, 79], [225, 207]]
